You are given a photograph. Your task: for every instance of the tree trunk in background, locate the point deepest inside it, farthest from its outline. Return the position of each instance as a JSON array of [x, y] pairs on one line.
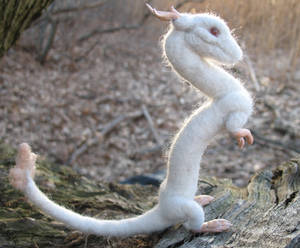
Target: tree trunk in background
[[16, 16], [265, 213]]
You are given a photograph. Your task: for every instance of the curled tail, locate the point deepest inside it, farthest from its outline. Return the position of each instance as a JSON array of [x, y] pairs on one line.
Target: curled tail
[[21, 178]]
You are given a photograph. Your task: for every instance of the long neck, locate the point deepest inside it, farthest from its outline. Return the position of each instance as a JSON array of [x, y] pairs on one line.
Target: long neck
[[204, 124], [210, 79]]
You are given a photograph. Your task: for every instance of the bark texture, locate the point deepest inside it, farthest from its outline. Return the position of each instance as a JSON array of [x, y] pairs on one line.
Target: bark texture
[[16, 16], [265, 213]]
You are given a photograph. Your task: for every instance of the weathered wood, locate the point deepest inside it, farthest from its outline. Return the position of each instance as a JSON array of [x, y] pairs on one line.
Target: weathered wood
[[15, 16], [265, 214]]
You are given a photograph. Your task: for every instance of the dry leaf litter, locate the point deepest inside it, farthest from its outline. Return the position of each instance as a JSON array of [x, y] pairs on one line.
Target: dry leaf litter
[[85, 107]]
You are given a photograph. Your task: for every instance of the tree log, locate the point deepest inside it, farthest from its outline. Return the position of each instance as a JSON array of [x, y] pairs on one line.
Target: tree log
[[265, 214], [15, 17]]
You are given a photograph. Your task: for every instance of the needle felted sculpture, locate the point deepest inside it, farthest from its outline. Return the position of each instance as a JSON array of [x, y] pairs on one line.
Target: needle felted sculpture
[[196, 46]]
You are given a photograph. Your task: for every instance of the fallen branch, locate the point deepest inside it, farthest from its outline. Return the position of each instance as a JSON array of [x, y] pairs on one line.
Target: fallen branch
[[99, 137]]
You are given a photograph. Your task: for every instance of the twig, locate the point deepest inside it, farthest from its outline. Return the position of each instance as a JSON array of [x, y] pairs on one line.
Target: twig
[[275, 143], [87, 52], [151, 124], [156, 148], [110, 126], [86, 241], [56, 14], [46, 49], [180, 4], [80, 150], [79, 8], [252, 72], [147, 150], [93, 141], [273, 108], [115, 29], [107, 30]]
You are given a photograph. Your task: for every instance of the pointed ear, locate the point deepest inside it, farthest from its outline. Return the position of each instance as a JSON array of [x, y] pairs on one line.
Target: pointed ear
[[164, 15]]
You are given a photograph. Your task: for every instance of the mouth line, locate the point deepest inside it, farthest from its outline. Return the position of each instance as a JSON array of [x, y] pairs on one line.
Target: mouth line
[[216, 45], [225, 55]]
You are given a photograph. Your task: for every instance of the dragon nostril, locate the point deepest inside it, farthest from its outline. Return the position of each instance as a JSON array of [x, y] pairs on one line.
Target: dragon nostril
[[214, 31]]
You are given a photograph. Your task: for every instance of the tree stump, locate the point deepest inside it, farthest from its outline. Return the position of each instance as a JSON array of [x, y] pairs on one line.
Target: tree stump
[[265, 214]]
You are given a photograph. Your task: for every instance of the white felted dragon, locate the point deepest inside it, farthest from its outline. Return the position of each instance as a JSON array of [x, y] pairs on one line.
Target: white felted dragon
[[195, 46]]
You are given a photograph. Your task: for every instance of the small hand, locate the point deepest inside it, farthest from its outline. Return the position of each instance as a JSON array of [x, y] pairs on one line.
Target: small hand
[[241, 134]]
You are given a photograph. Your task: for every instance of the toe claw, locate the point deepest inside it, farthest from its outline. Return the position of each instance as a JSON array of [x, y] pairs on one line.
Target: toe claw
[[241, 135], [241, 143], [216, 226], [204, 200]]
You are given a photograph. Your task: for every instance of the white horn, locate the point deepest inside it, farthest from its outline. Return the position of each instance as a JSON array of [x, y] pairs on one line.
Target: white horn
[[164, 15]]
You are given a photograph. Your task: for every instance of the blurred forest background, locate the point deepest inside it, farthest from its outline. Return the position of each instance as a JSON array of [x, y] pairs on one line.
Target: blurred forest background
[[85, 86]]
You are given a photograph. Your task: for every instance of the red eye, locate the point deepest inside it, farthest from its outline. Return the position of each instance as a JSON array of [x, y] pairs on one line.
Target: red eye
[[214, 31]]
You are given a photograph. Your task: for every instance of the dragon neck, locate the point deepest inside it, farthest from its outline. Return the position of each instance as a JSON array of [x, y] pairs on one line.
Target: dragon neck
[[205, 75]]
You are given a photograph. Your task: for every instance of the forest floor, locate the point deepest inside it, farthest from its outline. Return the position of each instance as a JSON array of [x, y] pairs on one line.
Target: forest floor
[[89, 106]]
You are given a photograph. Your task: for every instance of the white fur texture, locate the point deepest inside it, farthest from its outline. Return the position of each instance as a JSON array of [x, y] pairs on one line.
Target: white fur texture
[[194, 53]]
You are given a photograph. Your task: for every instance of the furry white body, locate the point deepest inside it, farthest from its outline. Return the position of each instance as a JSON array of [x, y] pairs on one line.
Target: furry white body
[[229, 108]]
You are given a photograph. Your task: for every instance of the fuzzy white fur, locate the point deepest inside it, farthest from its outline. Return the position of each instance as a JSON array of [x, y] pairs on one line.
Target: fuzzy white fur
[[194, 53]]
